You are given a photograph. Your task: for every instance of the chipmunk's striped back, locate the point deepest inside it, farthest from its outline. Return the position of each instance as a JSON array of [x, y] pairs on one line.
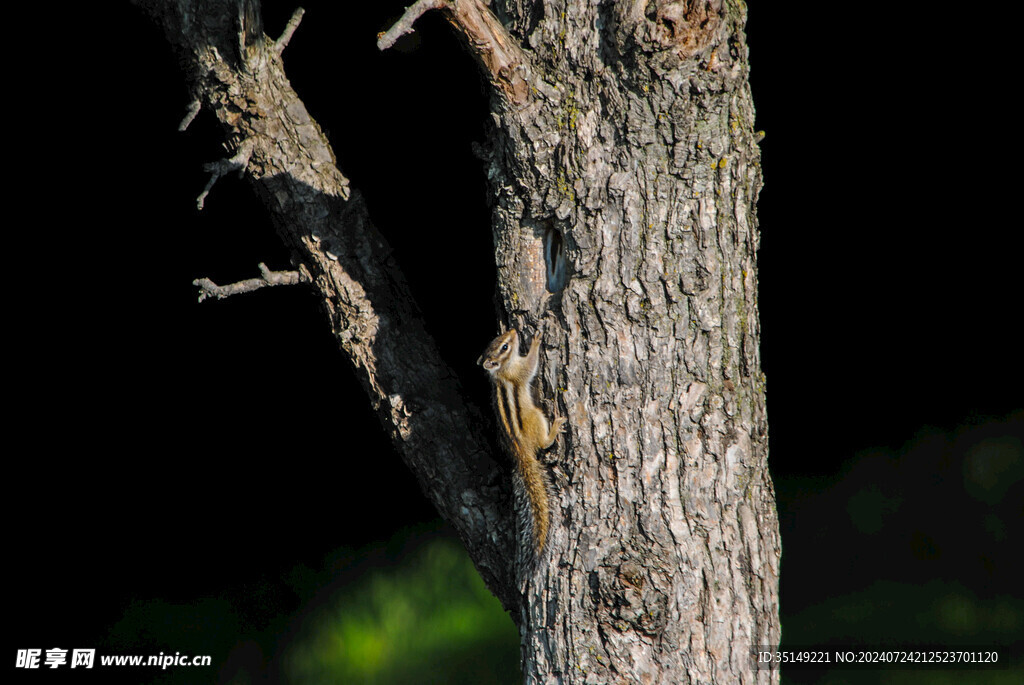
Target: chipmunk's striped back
[[526, 432]]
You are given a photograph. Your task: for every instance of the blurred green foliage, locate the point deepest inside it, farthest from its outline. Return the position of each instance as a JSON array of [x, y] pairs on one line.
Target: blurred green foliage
[[896, 547], [427, 619]]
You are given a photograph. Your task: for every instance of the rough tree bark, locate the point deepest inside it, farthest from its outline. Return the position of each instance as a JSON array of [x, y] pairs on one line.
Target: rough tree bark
[[624, 169]]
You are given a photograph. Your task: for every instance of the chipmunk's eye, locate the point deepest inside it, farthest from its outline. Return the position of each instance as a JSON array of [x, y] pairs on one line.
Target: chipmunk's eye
[[504, 347]]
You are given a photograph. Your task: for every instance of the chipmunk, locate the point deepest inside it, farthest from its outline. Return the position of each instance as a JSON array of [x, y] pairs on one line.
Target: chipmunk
[[527, 432]]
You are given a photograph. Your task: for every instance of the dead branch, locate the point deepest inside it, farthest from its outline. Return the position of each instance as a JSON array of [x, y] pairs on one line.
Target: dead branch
[[268, 278]]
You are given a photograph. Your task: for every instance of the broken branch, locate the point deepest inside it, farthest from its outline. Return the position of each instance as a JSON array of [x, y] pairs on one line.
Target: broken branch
[[404, 24], [222, 167], [268, 278], [281, 43], [190, 114]]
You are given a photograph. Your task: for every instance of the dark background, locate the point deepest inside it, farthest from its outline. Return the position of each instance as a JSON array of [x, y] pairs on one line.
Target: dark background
[[167, 449]]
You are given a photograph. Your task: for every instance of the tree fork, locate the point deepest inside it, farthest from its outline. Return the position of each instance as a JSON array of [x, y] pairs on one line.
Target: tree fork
[[624, 180]]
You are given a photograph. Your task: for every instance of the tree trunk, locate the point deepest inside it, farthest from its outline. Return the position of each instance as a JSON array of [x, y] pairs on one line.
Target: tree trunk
[[625, 170]]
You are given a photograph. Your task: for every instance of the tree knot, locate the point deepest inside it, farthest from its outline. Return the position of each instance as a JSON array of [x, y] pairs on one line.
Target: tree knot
[[630, 596]]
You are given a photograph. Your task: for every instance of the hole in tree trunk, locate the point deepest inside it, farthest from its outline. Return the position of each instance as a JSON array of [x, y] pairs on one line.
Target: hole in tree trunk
[[554, 260]]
